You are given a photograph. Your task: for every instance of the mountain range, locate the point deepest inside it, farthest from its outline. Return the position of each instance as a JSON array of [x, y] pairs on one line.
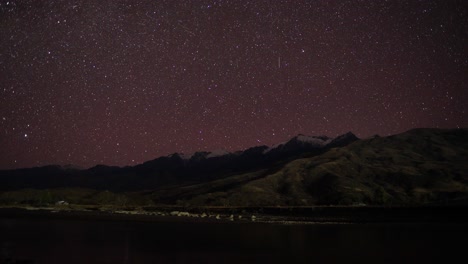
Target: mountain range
[[418, 167]]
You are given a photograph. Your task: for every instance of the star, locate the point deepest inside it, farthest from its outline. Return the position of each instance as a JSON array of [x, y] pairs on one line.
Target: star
[[150, 81]]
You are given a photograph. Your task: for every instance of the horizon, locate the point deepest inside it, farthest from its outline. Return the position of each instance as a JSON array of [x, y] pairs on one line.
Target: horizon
[[75, 166], [179, 153]]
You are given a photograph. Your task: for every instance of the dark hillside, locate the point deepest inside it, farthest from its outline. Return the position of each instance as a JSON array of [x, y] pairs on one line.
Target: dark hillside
[[418, 167]]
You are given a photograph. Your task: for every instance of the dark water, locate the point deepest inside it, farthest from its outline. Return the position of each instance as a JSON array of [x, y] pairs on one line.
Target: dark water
[[70, 241]]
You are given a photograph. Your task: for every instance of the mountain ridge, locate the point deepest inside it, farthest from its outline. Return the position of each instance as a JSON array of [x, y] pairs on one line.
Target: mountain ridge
[[165, 170], [420, 166]]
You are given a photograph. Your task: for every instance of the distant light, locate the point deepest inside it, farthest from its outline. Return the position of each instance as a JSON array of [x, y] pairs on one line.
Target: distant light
[[25, 135]]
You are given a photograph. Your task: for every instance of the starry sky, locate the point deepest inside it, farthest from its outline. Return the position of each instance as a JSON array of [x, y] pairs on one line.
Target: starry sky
[[121, 82]]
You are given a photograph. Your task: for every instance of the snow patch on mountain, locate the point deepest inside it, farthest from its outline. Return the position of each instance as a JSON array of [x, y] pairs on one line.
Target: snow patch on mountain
[[217, 153], [319, 141], [274, 147], [186, 156], [201, 154]]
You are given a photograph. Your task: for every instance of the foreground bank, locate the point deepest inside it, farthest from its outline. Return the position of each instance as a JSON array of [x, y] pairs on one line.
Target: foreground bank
[[280, 215]]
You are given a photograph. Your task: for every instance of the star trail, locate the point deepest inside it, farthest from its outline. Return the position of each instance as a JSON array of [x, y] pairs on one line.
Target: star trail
[[122, 82]]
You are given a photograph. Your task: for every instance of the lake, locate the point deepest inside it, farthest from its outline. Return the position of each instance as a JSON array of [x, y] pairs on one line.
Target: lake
[[42, 240]]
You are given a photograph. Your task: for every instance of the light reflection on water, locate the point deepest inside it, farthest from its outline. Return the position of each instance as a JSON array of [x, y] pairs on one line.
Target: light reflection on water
[[73, 241]]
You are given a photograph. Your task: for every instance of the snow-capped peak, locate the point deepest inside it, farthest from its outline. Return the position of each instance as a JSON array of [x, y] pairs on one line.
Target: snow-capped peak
[[201, 154], [217, 153], [319, 141], [186, 156], [273, 147]]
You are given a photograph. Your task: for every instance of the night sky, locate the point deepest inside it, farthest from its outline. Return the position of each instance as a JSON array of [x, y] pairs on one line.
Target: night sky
[[122, 82]]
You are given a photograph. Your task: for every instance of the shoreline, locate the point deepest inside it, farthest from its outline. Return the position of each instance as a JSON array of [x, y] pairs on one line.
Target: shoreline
[[242, 215]]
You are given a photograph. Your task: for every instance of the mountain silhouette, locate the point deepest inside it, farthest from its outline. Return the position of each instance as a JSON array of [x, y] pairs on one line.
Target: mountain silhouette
[[421, 166]]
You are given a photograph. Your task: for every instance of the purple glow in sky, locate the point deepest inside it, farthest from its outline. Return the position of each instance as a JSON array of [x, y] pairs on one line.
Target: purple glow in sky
[[122, 82]]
